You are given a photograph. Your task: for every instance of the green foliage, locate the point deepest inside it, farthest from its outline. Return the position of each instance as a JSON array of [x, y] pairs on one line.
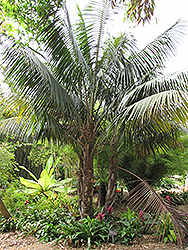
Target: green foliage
[[149, 168], [169, 182], [57, 219], [175, 198], [68, 160], [14, 197], [86, 230], [23, 12], [7, 163], [153, 168], [129, 227], [46, 185], [166, 230], [40, 216], [45, 224], [8, 225]]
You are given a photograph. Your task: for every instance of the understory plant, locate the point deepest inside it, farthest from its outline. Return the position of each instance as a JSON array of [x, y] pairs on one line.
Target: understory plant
[[129, 226], [87, 230], [166, 230], [40, 216], [46, 185], [175, 198]]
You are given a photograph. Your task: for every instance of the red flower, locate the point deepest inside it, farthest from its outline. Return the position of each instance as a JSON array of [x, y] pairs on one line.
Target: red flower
[[25, 203], [168, 198], [100, 217], [141, 214], [117, 191], [110, 210]]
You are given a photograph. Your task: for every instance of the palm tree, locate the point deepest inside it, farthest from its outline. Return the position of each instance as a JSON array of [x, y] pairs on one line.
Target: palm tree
[[87, 90]]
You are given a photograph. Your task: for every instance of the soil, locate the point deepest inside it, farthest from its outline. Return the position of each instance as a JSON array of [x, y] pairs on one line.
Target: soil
[[18, 241]]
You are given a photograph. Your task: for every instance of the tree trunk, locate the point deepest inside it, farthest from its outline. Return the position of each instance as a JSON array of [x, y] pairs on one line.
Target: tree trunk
[[112, 179], [4, 210], [85, 176]]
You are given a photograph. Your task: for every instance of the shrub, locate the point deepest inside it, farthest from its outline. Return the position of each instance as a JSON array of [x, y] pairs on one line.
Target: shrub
[[90, 230], [7, 164], [129, 227]]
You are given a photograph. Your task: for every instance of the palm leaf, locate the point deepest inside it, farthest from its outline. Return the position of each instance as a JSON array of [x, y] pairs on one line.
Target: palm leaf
[[154, 55], [162, 101], [143, 197], [30, 77]]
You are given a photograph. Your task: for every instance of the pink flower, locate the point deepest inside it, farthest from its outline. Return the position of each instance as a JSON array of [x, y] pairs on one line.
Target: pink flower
[[168, 198], [109, 210], [141, 214], [100, 217], [25, 203]]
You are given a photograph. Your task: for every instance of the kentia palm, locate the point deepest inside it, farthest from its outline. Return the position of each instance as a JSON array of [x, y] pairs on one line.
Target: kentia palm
[[87, 89]]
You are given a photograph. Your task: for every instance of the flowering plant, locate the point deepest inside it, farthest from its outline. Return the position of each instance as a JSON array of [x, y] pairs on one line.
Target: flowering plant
[[141, 214], [110, 210], [168, 197], [100, 216], [25, 203]]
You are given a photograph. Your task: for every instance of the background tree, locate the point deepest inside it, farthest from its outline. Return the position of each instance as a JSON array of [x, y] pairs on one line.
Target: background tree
[[88, 91], [153, 168], [139, 11], [33, 15]]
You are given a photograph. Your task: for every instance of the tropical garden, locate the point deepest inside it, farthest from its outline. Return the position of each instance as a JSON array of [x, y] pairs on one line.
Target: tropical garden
[[91, 128]]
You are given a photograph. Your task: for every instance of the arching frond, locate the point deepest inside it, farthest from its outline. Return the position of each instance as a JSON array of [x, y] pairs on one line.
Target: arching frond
[[152, 58]]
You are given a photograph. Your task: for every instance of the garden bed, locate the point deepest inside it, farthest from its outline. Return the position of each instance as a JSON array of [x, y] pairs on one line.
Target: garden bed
[[16, 241]]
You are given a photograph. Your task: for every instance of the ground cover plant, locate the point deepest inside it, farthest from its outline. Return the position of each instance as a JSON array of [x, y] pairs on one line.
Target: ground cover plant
[[59, 220]]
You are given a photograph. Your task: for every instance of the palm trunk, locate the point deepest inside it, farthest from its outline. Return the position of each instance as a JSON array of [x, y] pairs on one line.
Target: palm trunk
[[4, 210], [85, 176], [112, 179]]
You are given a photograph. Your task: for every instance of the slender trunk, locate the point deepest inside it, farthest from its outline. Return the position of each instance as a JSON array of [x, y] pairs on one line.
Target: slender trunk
[[4, 210], [85, 176], [112, 179]]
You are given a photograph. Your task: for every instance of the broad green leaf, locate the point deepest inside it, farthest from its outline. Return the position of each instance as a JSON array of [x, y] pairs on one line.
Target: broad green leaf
[[64, 189], [44, 180], [63, 182], [31, 191], [31, 174], [49, 193], [49, 164], [51, 171], [56, 161], [30, 184]]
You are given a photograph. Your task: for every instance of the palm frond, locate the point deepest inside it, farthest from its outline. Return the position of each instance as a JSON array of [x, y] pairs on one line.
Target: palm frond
[[84, 37], [153, 57], [143, 197], [162, 100], [32, 78]]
